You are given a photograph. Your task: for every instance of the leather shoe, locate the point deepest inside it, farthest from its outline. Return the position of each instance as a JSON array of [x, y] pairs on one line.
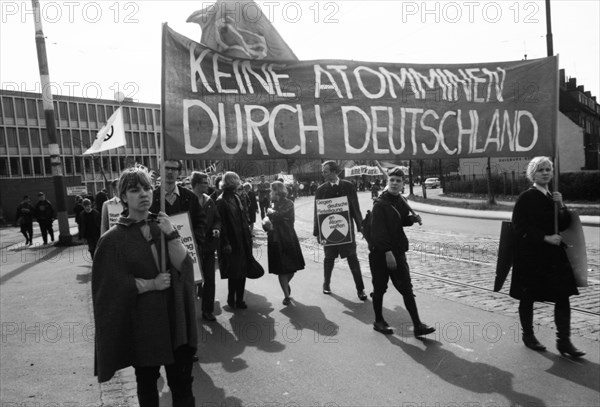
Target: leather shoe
[[361, 295], [565, 346], [383, 327], [208, 316], [287, 301], [326, 289], [423, 329], [532, 343], [195, 358], [241, 305]]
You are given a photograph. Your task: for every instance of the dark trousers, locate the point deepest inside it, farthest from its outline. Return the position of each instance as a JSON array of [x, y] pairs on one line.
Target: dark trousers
[[46, 228], [27, 231], [92, 242], [562, 317], [236, 287], [208, 286], [264, 205], [354, 269], [179, 379], [400, 277]]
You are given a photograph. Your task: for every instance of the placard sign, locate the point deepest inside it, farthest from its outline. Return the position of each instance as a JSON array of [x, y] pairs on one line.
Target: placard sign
[[77, 190], [114, 210], [182, 223], [333, 216]]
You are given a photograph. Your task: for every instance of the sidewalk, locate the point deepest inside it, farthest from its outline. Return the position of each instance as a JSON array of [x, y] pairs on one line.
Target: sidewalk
[[484, 214]]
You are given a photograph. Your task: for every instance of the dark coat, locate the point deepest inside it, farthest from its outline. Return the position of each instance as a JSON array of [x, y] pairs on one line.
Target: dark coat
[[541, 271], [284, 251], [101, 197], [235, 232], [345, 188], [25, 212], [44, 211], [138, 329], [187, 201], [252, 207], [387, 228], [89, 224], [213, 222]]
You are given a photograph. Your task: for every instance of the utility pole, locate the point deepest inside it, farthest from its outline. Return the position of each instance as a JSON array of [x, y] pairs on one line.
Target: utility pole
[[60, 194], [549, 44]]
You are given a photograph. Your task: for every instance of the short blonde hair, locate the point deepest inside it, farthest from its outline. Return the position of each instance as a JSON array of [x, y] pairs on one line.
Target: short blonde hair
[[535, 164]]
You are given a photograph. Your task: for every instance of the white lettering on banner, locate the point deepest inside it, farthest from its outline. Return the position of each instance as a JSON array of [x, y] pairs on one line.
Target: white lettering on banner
[[472, 84], [254, 127], [243, 71], [499, 132]]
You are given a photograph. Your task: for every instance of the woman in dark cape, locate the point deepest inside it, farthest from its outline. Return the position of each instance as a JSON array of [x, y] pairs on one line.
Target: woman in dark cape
[[541, 269], [285, 254], [143, 317]]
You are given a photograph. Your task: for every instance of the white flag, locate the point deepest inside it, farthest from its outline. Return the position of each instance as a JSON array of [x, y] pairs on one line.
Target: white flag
[[112, 135]]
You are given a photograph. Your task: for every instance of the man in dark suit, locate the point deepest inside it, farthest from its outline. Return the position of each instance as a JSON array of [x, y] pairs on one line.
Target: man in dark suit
[[334, 187], [179, 199]]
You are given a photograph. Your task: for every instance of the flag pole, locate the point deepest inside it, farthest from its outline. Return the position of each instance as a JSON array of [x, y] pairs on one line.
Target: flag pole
[[550, 51], [64, 237], [161, 149]]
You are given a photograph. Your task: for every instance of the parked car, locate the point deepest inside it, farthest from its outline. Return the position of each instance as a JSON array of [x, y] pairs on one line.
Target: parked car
[[432, 183]]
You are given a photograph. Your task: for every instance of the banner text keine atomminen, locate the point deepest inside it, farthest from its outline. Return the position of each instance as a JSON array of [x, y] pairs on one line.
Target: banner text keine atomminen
[[347, 109]]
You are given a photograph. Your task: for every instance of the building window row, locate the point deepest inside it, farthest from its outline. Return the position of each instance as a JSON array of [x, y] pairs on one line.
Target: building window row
[[88, 167], [76, 114], [80, 140]]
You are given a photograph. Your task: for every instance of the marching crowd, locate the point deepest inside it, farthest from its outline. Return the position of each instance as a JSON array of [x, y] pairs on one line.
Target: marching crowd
[[145, 313]]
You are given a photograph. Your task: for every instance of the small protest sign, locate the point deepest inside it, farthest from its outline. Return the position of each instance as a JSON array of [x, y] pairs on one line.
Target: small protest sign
[[182, 223], [333, 216]]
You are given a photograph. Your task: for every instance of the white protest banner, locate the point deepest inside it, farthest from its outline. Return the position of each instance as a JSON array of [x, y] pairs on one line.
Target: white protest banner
[[217, 106], [333, 218], [77, 190], [182, 223], [362, 170]]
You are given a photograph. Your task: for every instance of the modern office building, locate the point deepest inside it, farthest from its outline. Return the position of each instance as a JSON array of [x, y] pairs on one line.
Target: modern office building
[[25, 159]]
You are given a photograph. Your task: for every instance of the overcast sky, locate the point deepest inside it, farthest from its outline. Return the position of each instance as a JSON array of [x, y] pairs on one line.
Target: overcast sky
[[96, 48]]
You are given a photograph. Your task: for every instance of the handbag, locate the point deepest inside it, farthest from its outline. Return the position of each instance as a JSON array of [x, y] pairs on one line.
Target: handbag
[[255, 270], [267, 225]]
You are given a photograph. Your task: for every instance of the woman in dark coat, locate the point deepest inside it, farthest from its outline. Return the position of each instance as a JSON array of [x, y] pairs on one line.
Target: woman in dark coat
[[143, 317], [285, 254], [541, 269], [235, 246]]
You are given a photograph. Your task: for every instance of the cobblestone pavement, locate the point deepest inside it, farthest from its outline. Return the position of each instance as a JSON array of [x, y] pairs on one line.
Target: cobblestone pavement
[[463, 269]]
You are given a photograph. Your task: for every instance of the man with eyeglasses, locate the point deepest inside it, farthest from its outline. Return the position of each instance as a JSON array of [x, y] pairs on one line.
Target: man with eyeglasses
[[178, 200]]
